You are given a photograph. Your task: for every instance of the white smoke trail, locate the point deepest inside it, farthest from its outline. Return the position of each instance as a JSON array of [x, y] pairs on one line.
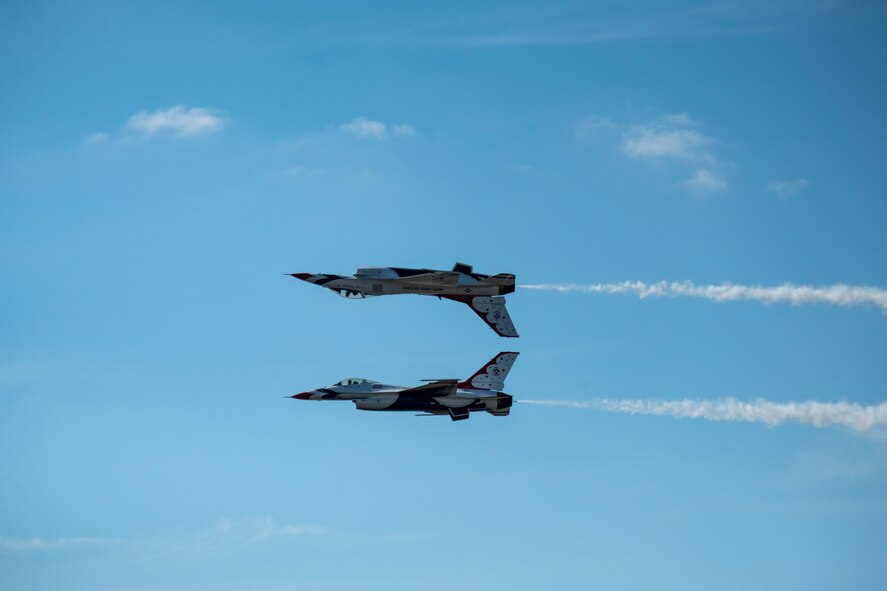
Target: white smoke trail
[[839, 294], [819, 414]]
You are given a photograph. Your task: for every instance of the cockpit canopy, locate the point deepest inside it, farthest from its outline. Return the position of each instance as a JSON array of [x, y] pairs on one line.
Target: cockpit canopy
[[354, 382], [351, 294]]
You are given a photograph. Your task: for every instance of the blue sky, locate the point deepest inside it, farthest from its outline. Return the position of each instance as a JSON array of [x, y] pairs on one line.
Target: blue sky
[[162, 167]]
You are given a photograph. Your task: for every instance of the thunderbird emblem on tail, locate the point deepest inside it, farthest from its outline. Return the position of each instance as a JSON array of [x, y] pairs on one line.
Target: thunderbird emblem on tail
[[482, 293], [482, 391]]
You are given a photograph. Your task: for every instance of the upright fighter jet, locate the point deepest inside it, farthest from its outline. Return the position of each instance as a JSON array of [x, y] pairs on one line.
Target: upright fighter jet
[[482, 391], [461, 284]]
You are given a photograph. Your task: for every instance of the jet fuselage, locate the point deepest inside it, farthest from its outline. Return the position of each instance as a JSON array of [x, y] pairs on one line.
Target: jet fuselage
[[481, 392], [370, 395], [376, 281], [482, 293]]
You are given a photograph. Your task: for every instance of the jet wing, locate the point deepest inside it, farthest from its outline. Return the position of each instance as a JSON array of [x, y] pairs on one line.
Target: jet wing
[[436, 278], [434, 389]]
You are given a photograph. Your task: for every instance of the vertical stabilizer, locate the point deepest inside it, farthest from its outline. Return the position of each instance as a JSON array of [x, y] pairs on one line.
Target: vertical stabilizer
[[492, 375]]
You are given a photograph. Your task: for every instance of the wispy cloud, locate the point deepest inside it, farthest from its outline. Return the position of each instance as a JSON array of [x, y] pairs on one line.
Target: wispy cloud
[[622, 22], [521, 168], [363, 127], [663, 141], [38, 544], [224, 534], [178, 120], [233, 533], [96, 138], [705, 182], [255, 531], [404, 130], [223, 537], [786, 189], [838, 295], [23, 371], [591, 124], [672, 140], [298, 171], [819, 414], [678, 119], [818, 466]]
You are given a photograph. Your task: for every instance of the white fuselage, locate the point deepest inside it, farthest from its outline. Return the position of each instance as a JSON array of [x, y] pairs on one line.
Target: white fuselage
[[482, 293], [482, 391], [369, 395], [377, 281], [376, 396]]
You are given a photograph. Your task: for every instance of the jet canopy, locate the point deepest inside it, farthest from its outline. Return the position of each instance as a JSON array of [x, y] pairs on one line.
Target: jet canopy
[[354, 382], [350, 294]]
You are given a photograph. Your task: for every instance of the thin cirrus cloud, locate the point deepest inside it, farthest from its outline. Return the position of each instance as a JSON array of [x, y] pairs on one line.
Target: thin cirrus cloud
[[786, 189], [403, 130], [233, 533], [837, 295], [578, 25], [40, 544], [363, 127], [97, 138], [179, 121], [592, 124], [265, 529], [705, 182], [225, 533], [859, 417], [682, 118]]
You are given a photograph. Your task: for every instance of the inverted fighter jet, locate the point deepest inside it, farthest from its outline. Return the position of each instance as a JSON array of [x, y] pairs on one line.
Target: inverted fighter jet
[[482, 391], [461, 284]]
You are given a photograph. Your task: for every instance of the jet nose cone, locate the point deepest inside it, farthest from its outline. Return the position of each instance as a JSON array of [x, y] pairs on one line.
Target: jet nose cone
[[302, 276], [302, 396]]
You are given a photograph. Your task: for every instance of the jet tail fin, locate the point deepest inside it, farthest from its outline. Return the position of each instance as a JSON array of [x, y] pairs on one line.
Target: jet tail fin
[[491, 310], [492, 375]]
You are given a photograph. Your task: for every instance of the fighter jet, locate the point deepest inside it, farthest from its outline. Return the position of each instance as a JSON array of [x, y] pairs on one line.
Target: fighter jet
[[482, 391], [461, 284]]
